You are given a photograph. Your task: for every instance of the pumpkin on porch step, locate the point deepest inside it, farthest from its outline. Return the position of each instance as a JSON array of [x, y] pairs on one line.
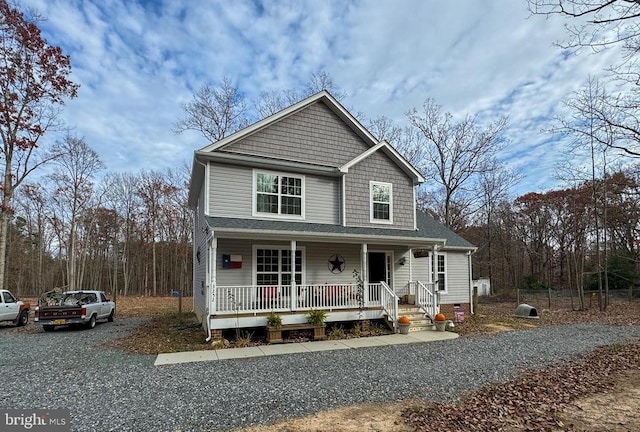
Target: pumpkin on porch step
[[403, 320], [440, 317]]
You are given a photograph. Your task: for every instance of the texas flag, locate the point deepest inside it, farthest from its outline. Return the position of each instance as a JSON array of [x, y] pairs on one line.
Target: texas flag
[[231, 261]]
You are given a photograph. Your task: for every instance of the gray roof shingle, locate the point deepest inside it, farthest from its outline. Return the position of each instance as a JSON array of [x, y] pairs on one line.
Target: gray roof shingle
[[428, 229]]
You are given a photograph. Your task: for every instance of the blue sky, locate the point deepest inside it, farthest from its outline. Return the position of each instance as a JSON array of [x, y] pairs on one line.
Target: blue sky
[[137, 61]]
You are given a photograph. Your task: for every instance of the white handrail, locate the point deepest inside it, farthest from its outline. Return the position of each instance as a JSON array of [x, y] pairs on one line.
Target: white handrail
[[389, 301], [426, 299]]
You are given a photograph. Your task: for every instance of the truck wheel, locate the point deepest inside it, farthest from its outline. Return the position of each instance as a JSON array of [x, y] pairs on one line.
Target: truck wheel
[[47, 328], [23, 318], [110, 318], [92, 322]]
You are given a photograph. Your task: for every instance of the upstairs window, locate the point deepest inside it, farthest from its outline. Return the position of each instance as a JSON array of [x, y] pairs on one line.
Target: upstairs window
[[381, 202], [279, 195]]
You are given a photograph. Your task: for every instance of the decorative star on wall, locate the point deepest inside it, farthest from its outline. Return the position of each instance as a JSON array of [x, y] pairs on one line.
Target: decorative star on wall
[[336, 263]]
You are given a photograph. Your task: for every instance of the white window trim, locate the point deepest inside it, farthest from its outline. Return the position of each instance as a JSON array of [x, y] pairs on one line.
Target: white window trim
[[371, 218], [254, 270], [254, 196], [446, 271]]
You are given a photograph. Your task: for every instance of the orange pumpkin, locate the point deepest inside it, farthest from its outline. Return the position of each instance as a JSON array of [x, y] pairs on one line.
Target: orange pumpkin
[[403, 320], [440, 317]]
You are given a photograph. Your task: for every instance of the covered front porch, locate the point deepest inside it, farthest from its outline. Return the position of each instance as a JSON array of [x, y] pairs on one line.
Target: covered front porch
[[248, 306], [251, 278]]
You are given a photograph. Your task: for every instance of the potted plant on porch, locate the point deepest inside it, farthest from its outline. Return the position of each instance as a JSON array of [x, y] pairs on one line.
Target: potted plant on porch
[[316, 318], [404, 324], [440, 321], [274, 328]]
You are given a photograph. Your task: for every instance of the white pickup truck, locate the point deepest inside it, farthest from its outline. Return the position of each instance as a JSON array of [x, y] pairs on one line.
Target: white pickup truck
[[13, 309], [73, 308]]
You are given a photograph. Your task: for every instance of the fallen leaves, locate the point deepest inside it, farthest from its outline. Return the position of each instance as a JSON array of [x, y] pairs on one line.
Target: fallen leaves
[[534, 401]]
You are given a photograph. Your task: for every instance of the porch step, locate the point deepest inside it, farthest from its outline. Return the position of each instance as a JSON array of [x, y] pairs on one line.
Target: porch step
[[419, 320]]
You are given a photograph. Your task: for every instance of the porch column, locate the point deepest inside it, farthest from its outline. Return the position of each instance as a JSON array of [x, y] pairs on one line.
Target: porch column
[[294, 290], [213, 259], [434, 277], [412, 286], [365, 273], [434, 267]]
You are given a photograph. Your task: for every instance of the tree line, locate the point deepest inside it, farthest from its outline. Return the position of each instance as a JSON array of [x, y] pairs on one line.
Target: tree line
[[130, 233], [124, 233]]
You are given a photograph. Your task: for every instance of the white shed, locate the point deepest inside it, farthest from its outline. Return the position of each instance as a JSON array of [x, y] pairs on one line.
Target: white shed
[[483, 285]]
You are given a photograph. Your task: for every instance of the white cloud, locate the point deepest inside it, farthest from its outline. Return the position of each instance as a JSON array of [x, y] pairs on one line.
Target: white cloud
[[137, 61]]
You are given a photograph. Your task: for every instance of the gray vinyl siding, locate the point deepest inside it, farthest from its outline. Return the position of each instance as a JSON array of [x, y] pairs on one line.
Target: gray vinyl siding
[[378, 167], [317, 256], [234, 277], [231, 194], [322, 199], [400, 273], [230, 191], [317, 272], [420, 268], [200, 267], [458, 279], [313, 135], [315, 260]]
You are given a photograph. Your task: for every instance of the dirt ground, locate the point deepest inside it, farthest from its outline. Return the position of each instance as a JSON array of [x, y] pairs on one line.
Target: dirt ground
[[367, 418], [617, 410]]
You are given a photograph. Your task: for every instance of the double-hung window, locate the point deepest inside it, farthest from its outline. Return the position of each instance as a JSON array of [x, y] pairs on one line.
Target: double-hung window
[[279, 194], [381, 204]]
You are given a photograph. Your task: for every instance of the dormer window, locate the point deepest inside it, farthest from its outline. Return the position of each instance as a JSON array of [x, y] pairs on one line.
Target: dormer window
[[381, 202], [278, 194]]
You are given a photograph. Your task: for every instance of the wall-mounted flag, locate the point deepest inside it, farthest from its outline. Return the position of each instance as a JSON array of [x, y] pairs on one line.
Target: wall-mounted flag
[[231, 261]]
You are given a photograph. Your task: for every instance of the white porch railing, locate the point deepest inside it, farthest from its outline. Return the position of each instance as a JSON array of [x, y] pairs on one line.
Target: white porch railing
[[389, 303], [279, 298], [426, 298]]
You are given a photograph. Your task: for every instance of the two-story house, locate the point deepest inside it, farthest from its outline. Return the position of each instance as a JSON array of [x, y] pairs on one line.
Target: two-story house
[[306, 209]]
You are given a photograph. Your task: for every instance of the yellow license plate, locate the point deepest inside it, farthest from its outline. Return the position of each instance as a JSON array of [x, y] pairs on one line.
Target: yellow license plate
[[59, 321]]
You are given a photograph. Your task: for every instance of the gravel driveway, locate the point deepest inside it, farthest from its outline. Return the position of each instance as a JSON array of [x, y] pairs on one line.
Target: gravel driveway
[[109, 390]]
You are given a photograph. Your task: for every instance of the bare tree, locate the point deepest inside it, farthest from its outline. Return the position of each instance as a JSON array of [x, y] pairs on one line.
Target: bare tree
[[592, 135], [121, 195], [33, 82], [600, 25], [455, 155], [75, 195], [215, 112], [33, 206], [269, 103], [408, 140], [495, 186]]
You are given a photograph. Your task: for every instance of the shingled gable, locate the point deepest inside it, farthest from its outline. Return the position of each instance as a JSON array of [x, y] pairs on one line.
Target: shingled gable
[[229, 149], [322, 96], [393, 154]]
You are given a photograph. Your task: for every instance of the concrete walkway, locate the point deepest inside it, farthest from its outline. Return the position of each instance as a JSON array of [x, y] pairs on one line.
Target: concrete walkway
[[292, 348]]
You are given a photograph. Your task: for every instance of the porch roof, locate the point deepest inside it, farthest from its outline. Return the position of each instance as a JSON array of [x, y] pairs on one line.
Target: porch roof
[[429, 232]]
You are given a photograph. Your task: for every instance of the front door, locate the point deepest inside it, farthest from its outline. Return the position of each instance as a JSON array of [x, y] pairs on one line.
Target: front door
[[379, 270]]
